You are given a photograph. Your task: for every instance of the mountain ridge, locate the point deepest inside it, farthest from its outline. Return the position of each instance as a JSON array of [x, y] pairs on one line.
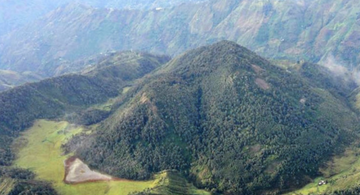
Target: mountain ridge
[[28, 11], [299, 30]]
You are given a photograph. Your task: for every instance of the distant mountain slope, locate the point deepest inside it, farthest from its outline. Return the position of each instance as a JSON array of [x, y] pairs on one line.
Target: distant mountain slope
[[10, 79], [317, 31], [15, 14], [137, 4], [228, 119]]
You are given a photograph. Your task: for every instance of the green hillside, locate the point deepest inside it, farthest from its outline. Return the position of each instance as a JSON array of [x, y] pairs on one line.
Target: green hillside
[[69, 97], [227, 119]]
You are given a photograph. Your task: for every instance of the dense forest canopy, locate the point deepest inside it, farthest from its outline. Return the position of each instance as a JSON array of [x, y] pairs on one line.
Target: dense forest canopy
[[227, 113]]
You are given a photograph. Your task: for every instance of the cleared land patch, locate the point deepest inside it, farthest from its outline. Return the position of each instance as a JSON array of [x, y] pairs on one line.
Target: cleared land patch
[[41, 152], [76, 171], [262, 84], [257, 69]]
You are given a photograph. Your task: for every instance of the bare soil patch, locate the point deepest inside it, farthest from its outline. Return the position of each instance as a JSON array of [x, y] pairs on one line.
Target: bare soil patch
[[255, 148], [257, 69], [77, 171], [262, 84]]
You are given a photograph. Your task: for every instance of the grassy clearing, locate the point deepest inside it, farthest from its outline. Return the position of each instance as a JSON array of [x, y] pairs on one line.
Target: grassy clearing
[[39, 149], [42, 154], [168, 182], [312, 188], [342, 172], [125, 90], [287, 64], [105, 106]]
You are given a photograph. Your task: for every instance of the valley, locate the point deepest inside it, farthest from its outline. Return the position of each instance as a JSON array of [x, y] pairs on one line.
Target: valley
[[43, 155], [39, 149]]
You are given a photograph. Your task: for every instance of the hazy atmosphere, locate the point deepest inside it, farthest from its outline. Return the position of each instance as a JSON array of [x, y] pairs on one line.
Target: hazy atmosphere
[[180, 97]]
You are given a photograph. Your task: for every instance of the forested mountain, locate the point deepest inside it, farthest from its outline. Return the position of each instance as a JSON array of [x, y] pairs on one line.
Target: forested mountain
[[219, 116], [228, 120], [59, 97], [317, 31]]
